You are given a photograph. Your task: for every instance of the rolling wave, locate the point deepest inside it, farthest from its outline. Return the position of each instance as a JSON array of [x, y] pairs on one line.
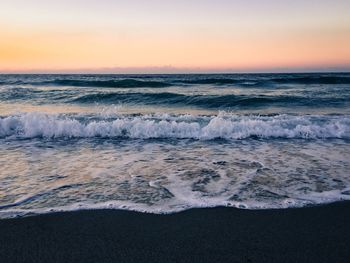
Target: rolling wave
[[312, 99], [159, 81], [118, 83], [249, 80], [264, 81], [313, 79], [206, 101], [32, 125], [102, 83], [218, 81]]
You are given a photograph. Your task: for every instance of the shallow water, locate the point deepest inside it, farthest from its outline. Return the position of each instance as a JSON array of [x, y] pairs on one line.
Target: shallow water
[[165, 143]]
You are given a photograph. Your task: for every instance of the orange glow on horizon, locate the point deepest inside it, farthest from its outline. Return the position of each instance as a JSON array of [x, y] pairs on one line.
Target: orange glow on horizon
[[233, 45]]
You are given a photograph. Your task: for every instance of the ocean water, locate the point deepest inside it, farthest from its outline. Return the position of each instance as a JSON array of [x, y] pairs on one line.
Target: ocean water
[[166, 143]]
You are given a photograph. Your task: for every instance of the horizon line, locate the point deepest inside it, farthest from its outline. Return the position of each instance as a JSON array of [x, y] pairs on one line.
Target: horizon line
[[174, 71]]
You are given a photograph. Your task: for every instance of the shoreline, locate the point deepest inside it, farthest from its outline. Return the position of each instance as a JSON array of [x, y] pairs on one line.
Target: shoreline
[[319, 233], [58, 211]]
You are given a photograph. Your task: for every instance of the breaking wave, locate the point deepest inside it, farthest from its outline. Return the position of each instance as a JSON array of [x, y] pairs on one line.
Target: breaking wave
[[223, 126]]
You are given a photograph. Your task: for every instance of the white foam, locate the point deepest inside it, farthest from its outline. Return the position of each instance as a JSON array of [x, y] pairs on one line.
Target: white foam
[[178, 206], [167, 178], [36, 124]]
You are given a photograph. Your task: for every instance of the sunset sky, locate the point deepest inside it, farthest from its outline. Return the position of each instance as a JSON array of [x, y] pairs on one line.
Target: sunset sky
[[174, 36]]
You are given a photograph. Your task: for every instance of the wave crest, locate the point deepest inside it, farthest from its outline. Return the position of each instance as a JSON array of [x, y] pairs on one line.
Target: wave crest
[[206, 101], [32, 125]]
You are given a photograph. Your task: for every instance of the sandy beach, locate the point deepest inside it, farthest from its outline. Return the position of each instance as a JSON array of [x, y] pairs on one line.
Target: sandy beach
[[174, 131], [314, 234]]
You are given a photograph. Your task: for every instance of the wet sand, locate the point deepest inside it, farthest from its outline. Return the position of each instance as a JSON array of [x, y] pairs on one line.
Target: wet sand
[[313, 234]]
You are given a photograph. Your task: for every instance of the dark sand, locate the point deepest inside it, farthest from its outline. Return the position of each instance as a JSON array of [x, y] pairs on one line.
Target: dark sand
[[316, 234]]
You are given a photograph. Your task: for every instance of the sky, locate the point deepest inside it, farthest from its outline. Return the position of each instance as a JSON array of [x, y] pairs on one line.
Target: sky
[[154, 36]]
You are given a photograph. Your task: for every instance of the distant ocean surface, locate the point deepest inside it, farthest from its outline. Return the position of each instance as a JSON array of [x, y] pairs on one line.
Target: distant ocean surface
[[167, 143]]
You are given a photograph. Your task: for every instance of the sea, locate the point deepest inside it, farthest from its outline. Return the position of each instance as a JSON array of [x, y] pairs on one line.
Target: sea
[[166, 143]]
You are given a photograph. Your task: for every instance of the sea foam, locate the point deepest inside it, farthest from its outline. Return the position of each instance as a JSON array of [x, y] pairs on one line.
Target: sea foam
[[222, 126]]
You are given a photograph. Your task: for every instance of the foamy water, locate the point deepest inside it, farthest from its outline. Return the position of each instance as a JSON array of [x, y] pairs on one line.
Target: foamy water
[[223, 126], [61, 151]]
